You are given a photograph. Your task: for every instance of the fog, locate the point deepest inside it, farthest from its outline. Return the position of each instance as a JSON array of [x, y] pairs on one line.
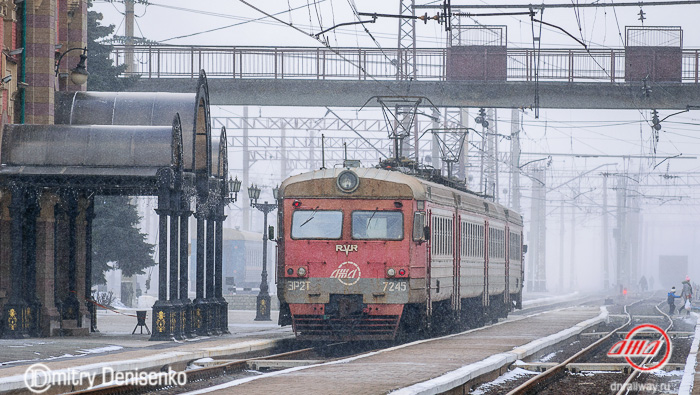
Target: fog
[[657, 195]]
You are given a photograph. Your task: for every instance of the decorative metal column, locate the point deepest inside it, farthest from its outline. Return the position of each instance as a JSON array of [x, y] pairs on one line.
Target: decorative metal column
[[222, 306], [162, 308], [71, 305], [200, 305], [210, 300], [14, 311], [34, 306], [177, 314], [92, 308], [184, 268]]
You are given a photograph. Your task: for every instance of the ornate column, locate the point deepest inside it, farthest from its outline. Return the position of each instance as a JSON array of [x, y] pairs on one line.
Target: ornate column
[[211, 299], [162, 308], [177, 313], [187, 309], [34, 305], [71, 305], [200, 305], [218, 270], [92, 308], [13, 312]]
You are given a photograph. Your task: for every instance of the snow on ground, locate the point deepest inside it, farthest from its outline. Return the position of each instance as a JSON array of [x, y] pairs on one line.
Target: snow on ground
[[99, 350], [511, 375]]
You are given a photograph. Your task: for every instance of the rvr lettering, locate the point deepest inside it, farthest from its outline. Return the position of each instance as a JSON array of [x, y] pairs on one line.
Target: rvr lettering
[[346, 248]]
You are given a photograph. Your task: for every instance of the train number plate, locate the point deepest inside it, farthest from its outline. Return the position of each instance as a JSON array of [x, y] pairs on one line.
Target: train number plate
[[395, 286], [298, 285]]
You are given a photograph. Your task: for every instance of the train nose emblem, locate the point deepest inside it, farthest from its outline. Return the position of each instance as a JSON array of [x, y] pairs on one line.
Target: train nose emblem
[[346, 248], [348, 273]]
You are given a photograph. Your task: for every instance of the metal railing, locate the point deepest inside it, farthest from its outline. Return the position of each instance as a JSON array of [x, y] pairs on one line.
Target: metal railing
[[572, 65]]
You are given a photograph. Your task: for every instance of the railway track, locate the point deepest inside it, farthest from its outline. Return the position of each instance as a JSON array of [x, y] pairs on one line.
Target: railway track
[[215, 369], [549, 379], [223, 370]]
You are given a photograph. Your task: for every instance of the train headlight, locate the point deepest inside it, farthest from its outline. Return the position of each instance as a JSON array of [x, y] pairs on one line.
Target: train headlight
[[391, 272], [347, 181], [290, 271], [301, 272]]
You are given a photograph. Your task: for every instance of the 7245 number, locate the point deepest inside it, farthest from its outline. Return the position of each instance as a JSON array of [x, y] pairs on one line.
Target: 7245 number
[[395, 286]]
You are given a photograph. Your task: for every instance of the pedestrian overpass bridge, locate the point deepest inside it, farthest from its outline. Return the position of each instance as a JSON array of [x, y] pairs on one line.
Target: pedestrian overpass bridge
[[307, 76]]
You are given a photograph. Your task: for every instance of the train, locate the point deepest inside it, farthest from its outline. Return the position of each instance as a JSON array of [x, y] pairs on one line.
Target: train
[[242, 260], [369, 253]]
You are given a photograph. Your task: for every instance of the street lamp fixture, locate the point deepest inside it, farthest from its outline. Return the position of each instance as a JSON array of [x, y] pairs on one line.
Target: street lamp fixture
[[263, 299], [79, 73], [234, 186], [253, 194]]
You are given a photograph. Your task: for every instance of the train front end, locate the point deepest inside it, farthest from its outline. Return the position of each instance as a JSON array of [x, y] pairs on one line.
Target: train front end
[[344, 254]]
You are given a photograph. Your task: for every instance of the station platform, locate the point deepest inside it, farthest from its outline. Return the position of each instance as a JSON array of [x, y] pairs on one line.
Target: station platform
[[115, 347], [690, 384], [427, 366]]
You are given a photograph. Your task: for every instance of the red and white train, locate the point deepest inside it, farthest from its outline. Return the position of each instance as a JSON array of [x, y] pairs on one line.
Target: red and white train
[[366, 252]]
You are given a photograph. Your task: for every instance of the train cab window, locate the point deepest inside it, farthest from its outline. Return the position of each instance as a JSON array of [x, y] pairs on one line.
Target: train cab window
[[377, 225], [314, 224]]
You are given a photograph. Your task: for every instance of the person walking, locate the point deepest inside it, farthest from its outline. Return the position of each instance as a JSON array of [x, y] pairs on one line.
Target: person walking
[[671, 300], [643, 284], [687, 294]]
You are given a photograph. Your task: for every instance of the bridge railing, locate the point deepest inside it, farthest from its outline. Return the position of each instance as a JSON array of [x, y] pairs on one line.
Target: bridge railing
[[571, 65]]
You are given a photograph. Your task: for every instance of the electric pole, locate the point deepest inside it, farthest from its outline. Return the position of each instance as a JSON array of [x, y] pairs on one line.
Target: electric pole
[[606, 234], [129, 19]]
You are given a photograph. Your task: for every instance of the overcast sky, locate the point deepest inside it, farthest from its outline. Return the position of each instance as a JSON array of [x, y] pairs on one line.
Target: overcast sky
[[180, 22], [602, 132]]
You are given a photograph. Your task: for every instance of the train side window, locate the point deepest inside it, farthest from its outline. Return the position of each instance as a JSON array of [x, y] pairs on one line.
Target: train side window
[[418, 226]]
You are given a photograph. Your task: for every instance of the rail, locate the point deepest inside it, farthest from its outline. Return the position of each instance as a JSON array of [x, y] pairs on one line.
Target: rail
[[571, 65], [549, 375], [192, 376]]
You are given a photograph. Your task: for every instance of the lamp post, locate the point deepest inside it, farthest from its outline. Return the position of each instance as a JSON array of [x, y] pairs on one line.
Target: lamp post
[[79, 73], [263, 301], [233, 187]]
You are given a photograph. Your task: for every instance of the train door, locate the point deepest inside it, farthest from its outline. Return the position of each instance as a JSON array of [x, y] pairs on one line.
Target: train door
[[456, 238], [486, 263], [428, 260], [506, 293]]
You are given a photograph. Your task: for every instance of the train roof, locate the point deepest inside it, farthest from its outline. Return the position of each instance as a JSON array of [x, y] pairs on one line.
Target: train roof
[[380, 183], [236, 234], [322, 183]]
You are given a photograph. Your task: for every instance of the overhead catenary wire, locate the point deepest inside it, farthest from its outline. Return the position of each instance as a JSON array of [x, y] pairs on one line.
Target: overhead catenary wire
[[561, 5]]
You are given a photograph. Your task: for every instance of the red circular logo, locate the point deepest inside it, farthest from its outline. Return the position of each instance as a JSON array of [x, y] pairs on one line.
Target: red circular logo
[[629, 347]]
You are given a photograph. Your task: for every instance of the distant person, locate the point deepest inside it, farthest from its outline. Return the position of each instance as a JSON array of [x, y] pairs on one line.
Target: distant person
[[687, 294], [643, 284], [671, 300]]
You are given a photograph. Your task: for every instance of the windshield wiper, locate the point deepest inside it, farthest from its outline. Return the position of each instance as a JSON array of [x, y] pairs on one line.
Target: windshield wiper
[[369, 221], [310, 218]]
